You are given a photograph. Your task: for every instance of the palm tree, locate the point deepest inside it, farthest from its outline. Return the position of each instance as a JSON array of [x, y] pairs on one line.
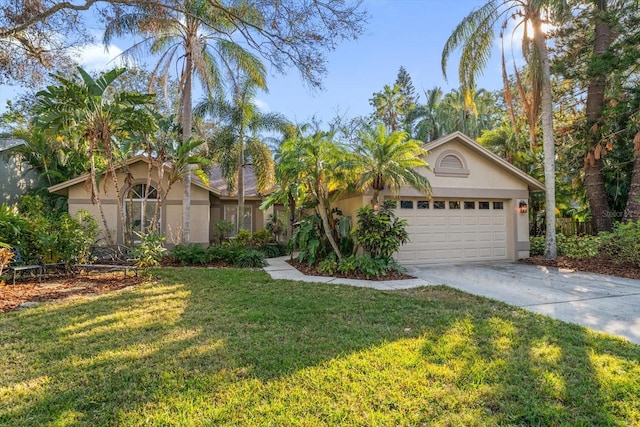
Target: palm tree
[[78, 110], [197, 38], [239, 139], [389, 105], [391, 159], [475, 35]]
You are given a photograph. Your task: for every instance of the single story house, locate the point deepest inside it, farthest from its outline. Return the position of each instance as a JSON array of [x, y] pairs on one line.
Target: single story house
[[477, 212], [210, 202]]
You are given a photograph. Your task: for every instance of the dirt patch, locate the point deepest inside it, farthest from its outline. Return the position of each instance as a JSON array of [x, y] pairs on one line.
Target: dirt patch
[[12, 296], [601, 265], [313, 271]]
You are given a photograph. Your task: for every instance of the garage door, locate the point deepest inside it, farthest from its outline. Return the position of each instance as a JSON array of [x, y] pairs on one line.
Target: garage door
[[453, 230]]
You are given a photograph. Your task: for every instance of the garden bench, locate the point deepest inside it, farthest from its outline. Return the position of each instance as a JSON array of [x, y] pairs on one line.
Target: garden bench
[[109, 258], [21, 265]]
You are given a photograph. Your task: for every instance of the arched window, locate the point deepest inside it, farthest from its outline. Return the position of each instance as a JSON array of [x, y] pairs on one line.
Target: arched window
[[140, 205]]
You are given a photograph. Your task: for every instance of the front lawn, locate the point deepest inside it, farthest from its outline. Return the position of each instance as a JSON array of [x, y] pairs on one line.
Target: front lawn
[[234, 347]]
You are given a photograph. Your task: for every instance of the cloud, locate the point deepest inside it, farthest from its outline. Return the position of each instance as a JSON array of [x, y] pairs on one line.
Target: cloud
[[94, 57], [262, 105]]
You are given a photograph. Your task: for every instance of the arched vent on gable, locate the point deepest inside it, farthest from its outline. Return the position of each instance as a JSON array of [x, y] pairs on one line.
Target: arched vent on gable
[[451, 163]]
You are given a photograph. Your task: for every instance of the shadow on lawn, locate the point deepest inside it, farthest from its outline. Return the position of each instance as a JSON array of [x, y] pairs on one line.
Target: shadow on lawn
[[208, 345]]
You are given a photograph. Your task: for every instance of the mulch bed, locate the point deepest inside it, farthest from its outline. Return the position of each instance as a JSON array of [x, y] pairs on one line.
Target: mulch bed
[[601, 265], [313, 271], [12, 296]]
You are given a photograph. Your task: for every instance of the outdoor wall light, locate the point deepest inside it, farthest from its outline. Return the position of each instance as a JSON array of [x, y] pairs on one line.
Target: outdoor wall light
[[522, 206]]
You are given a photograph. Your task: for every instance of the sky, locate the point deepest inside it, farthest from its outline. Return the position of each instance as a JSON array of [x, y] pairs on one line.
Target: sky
[[409, 33]]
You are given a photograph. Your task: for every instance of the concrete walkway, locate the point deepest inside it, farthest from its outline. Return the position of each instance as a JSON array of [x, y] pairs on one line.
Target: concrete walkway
[[278, 268], [604, 303]]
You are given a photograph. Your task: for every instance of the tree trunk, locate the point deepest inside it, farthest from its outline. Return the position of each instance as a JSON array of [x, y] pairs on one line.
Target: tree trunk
[[593, 178], [548, 144], [186, 133], [241, 184], [632, 210], [96, 199], [322, 211], [594, 183]]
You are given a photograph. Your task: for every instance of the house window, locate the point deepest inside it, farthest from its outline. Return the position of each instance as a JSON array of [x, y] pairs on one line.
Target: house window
[[498, 205], [231, 214], [483, 205], [469, 205], [140, 206], [423, 204], [439, 204], [454, 204], [406, 204]]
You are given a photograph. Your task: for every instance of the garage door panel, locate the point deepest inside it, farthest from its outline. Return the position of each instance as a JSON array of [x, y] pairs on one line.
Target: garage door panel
[[453, 235]]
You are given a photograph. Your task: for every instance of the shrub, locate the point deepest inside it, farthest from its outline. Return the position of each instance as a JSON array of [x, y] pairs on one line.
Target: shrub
[[363, 264], [150, 250], [261, 238], [223, 229], [226, 252], [309, 238], [272, 250], [347, 265], [380, 233], [577, 247], [190, 254], [623, 244], [243, 238], [250, 258], [536, 245], [328, 265]]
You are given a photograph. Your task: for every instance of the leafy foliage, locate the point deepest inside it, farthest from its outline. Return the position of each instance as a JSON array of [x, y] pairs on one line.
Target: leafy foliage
[[309, 240], [250, 258], [190, 254], [150, 250], [577, 247], [623, 244], [380, 233]]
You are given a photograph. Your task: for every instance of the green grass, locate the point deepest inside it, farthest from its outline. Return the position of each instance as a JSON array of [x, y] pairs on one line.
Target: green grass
[[233, 347]]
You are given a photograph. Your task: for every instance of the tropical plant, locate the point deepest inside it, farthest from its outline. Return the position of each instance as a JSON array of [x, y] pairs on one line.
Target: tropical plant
[[78, 112], [195, 38], [6, 255], [475, 35], [388, 159], [380, 232], [250, 258], [150, 250], [238, 143]]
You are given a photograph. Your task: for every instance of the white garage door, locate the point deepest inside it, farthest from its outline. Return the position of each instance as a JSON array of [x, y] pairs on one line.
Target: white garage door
[[453, 230]]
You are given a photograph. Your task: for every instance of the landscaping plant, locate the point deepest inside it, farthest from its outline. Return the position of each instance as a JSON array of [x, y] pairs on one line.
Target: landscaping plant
[[380, 233], [149, 251]]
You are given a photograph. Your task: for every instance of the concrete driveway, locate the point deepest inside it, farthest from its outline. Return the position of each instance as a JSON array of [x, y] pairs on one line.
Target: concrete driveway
[[604, 303]]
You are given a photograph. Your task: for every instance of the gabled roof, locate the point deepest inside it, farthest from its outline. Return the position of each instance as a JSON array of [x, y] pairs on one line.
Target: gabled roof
[[217, 181], [534, 184], [8, 143], [60, 188]]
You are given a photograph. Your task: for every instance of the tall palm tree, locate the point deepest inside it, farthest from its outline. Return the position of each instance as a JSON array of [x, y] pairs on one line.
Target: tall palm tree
[[389, 159], [475, 36], [239, 140], [389, 105], [197, 41], [78, 110]]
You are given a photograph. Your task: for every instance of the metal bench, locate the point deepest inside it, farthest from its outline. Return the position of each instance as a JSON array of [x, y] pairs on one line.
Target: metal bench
[[109, 258], [21, 266]]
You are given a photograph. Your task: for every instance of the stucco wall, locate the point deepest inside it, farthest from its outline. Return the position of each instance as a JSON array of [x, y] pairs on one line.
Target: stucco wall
[[15, 179]]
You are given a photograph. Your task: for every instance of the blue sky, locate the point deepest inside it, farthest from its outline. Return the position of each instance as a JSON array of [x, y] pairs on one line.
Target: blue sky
[[409, 33]]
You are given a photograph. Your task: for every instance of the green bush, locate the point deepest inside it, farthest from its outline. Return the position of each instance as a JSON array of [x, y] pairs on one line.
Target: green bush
[[272, 250], [243, 238], [577, 247], [250, 258], [261, 238], [223, 229], [309, 239], [226, 252], [363, 264], [380, 233], [536, 245], [190, 254], [329, 265], [150, 250], [623, 244]]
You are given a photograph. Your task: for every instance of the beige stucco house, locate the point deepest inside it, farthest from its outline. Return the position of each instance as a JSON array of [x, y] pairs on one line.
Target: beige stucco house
[[477, 211], [209, 202]]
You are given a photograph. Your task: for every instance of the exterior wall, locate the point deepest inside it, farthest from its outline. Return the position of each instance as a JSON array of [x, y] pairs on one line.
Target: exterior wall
[[171, 213], [15, 180]]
